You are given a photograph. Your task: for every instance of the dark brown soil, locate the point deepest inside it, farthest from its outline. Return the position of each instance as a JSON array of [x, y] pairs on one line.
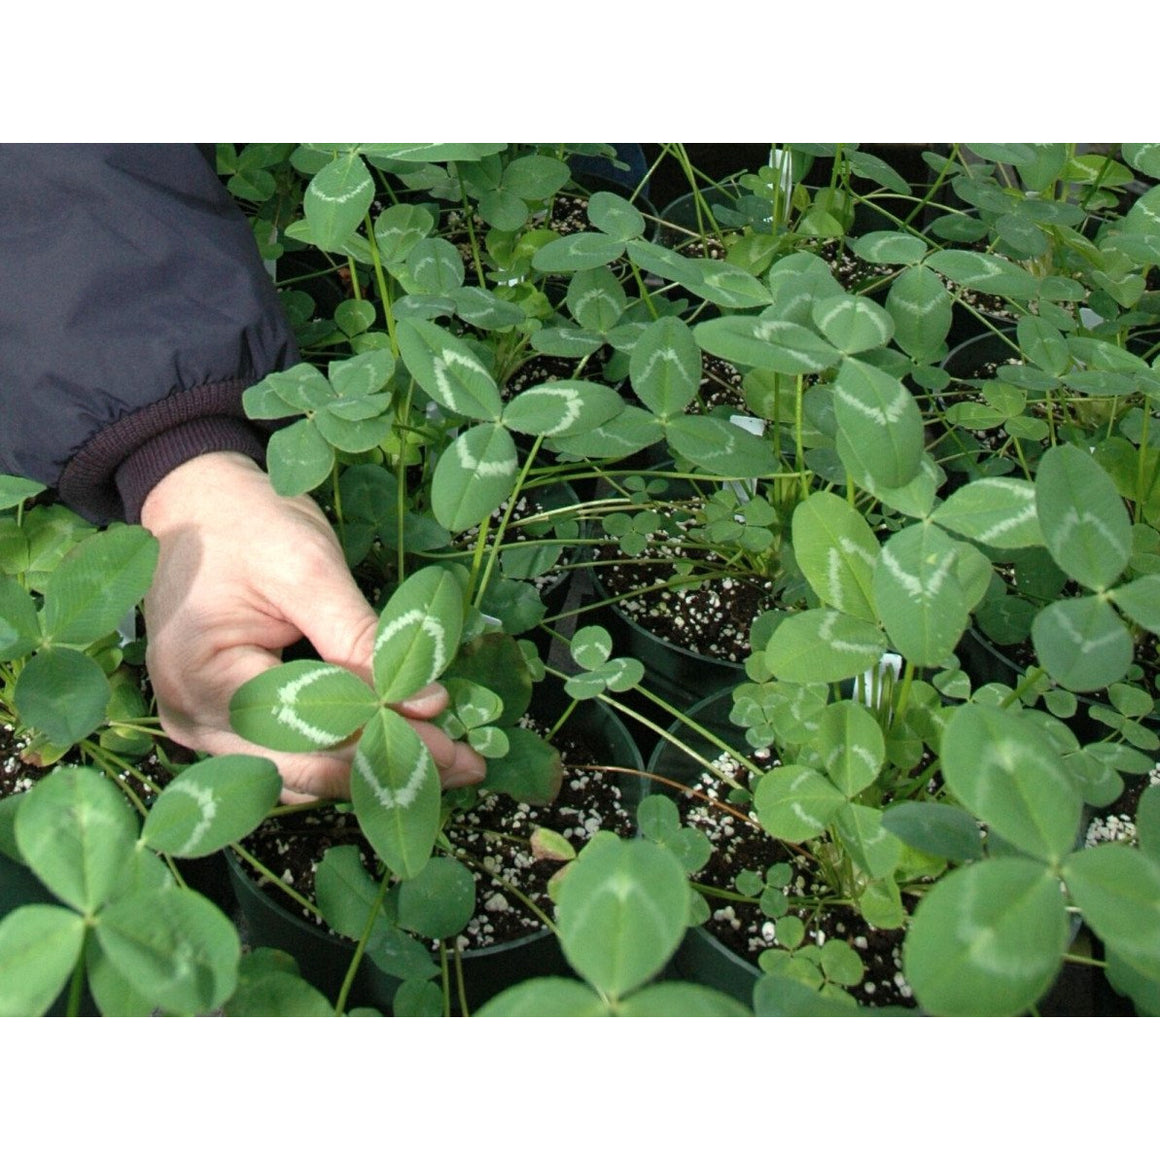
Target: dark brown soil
[[743, 927], [492, 836]]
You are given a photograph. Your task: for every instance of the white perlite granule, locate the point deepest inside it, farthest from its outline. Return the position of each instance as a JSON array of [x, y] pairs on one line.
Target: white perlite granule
[[1116, 827]]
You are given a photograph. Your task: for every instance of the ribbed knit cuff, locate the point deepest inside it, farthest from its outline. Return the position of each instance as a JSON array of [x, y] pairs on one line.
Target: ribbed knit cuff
[[147, 466], [109, 478]]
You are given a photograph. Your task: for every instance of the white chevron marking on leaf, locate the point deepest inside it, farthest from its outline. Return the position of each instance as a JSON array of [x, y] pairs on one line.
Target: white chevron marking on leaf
[[913, 584], [287, 710], [427, 624], [882, 414], [206, 804], [389, 798]]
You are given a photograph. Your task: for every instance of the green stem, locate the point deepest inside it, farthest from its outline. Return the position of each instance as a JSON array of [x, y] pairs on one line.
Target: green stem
[[505, 520], [384, 288], [360, 948], [904, 695], [77, 982], [270, 876]]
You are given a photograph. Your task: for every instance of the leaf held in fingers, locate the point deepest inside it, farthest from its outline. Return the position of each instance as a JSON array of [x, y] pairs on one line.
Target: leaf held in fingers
[[418, 633], [301, 706], [394, 786]]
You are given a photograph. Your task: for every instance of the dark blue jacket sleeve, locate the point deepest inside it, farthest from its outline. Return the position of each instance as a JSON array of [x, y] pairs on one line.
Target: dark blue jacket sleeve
[[134, 310]]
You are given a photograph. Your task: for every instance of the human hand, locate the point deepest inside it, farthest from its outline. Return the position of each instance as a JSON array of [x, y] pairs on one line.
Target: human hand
[[244, 572]]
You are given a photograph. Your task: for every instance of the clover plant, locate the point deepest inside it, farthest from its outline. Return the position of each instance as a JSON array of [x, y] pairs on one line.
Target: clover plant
[[65, 590], [119, 920], [895, 515]]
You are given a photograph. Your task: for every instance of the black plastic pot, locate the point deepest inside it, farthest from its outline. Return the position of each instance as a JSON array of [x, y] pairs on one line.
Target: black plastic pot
[[324, 958], [678, 675]]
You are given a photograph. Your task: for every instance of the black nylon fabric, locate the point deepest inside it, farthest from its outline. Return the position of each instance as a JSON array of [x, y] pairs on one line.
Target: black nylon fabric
[[126, 274]]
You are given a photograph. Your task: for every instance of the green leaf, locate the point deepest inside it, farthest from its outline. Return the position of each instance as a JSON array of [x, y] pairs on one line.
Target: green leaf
[[722, 447], [439, 901], [823, 646], [352, 435], [922, 309], [852, 323], [299, 458], [361, 376], [346, 896], [935, 828], [354, 316], [211, 804], [836, 551], [781, 996], [480, 307], [474, 476], [97, 583], [1143, 157], [665, 367], [621, 913], [673, 999], [301, 706], [265, 401], [1118, 890], [1084, 521], [15, 489], [114, 995], [879, 424], [770, 343], [336, 201], [398, 228], [1148, 823], [874, 849], [418, 632], [535, 177], [434, 267], [889, 248], [1006, 770], [596, 299], [566, 341], [531, 770], [1043, 344], [998, 512], [1139, 599], [545, 998], [1082, 643], [19, 622], [615, 216], [591, 646], [796, 803], [579, 251], [39, 948], [563, 407], [987, 940], [628, 432], [76, 832], [439, 152], [448, 371], [919, 596], [178, 949], [395, 791], [727, 285], [63, 693], [850, 743], [988, 272], [269, 985]]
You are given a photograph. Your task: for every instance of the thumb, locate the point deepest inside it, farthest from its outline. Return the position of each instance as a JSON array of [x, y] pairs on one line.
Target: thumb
[[337, 620]]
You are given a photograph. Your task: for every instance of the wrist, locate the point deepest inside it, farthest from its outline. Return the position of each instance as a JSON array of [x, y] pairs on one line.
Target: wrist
[[205, 484], [149, 464]]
